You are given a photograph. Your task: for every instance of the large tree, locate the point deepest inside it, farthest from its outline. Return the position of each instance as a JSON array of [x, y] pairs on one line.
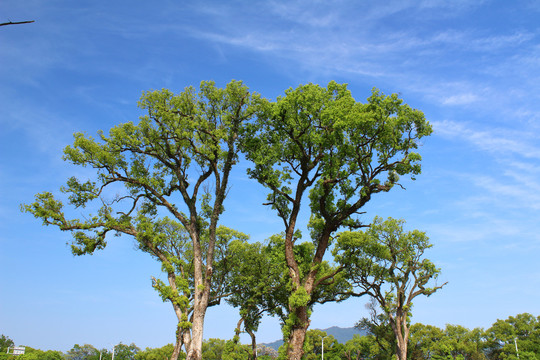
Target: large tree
[[176, 160], [388, 264], [320, 143]]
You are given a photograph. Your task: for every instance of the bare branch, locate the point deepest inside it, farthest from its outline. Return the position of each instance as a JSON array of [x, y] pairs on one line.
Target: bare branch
[[17, 22]]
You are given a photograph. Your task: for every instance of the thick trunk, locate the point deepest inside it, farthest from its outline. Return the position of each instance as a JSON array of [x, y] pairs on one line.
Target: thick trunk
[[402, 352], [295, 350], [401, 331], [200, 299], [194, 348], [199, 312]]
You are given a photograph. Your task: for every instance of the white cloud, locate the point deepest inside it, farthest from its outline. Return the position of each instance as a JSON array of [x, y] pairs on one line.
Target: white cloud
[[497, 141], [460, 99]]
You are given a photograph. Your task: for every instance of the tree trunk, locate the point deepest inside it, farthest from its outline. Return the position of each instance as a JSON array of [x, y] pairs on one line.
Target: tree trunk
[[186, 340], [253, 344], [178, 345], [295, 349], [199, 312], [401, 331], [401, 350]]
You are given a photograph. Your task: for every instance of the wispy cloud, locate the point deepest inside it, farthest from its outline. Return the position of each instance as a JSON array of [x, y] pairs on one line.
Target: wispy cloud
[[501, 141], [460, 99], [455, 66]]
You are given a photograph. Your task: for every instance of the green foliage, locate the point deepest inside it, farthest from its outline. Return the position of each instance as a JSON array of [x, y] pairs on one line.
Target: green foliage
[[217, 349], [454, 342], [84, 352], [213, 349], [343, 150], [314, 141], [384, 256], [36, 354], [126, 352], [162, 353], [171, 245], [313, 346], [261, 283], [523, 329], [381, 334], [299, 298], [361, 347], [5, 342]]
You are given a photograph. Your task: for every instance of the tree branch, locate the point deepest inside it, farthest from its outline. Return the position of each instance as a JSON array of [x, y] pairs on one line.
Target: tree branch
[[17, 22]]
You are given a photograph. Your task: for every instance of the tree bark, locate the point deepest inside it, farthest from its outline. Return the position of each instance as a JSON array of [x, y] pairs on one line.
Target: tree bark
[[401, 330], [186, 340], [199, 309], [178, 345], [295, 349], [253, 344], [195, 350]]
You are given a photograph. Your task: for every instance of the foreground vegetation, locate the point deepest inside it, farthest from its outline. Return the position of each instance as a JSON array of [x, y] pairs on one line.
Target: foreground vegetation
[[504, 340]]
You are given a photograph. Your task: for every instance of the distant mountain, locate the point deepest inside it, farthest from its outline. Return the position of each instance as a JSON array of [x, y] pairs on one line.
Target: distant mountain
[[342, 335], [274, 345]]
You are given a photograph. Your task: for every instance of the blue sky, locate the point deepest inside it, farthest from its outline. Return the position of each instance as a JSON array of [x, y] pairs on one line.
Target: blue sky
[[473, 67]]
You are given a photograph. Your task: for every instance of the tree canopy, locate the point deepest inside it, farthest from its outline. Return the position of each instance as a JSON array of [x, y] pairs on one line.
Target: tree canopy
[[176, 160]]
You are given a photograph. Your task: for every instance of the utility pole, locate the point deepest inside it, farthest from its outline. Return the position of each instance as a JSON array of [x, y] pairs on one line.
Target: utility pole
[[322, 346]]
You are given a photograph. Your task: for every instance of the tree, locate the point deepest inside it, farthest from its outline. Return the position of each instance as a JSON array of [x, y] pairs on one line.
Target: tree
[[454, 342], [378, 327], [387, 263], [423, 341], [84, 352], [313, 346], [5, 342], [218, 349], [320, 143], [266, 353], [176, 160], [162, 353], [36, 354], [361, 347], [517, 334], [126, 352]]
